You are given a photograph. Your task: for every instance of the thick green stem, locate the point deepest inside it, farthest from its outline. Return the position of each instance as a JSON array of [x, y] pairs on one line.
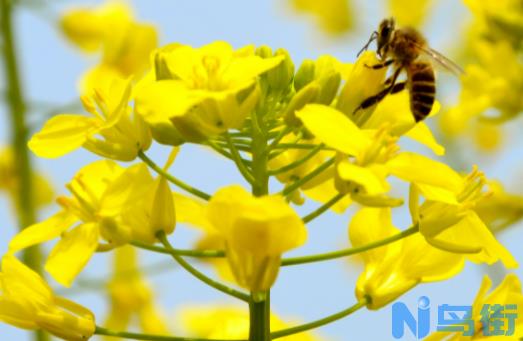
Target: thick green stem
[[260, 328], [320, 322], [137, 336], [15, 101]]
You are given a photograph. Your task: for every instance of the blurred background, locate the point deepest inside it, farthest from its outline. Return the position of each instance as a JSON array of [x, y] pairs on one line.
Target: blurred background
[[51, 68]]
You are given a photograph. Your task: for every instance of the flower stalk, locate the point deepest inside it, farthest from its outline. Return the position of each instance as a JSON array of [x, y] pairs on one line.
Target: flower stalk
[[26, 211]]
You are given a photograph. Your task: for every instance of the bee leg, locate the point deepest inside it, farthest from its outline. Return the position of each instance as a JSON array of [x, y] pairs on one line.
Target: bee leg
[[392, 88], [398, 87], [380, 65]]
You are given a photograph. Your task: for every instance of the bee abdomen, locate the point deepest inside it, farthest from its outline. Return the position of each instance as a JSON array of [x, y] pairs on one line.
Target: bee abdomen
[[422, 86]]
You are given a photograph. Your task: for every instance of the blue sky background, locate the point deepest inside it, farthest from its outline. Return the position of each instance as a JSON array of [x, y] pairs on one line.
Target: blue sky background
[[51, 68]]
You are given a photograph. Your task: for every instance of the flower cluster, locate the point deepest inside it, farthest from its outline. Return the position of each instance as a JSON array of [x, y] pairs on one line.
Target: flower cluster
[[293, 135]]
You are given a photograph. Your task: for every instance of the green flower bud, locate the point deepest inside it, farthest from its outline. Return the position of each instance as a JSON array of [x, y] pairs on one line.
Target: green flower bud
[[308, 94], [281, 76], [329, 85], [264, 51], [304, 75], [328, 75]]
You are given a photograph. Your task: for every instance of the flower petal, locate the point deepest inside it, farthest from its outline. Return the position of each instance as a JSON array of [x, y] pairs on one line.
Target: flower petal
[[368, 177], [72, 253], [333, 128], [420, 169], [42, 232], [422, 134], [61, 135]]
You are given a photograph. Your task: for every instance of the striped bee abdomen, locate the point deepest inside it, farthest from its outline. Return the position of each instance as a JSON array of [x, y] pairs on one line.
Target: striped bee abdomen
[[422, 89]]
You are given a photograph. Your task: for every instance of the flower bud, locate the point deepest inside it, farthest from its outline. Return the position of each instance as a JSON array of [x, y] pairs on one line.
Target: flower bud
[[281, 76], [264, 51], [304, 75], [306, 95], [362, 83]]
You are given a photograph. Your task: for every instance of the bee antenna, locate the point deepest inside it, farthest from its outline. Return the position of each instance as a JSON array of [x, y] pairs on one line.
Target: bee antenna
[[373, 36]]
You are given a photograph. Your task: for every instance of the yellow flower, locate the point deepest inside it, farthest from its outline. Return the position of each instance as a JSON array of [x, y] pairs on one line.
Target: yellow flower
[[125, 44], [507, 293], [228, 322], [394, 110], [27, 302], [256, 231], [111, 132], [9, 180], [493, 81], [333, 16], [201, 92], [500, 20], [447, 220], [131, 297], [392, 270], [368, 156], [103, 192]]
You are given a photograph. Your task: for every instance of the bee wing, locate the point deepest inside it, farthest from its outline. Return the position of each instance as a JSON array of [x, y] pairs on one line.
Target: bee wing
[[443, 61]]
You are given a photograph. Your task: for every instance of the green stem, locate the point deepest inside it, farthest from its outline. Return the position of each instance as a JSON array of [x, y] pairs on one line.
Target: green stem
[[320, 322], [180, 252], [297, 163], [209, 281], [137, 336], [217, 148], [350, 251], [26, 210], [316, 213], [174, 180], [300, 146], [259, 310], [259, 313], [281, 134], [238, 161], [297, 184], [287, 261]]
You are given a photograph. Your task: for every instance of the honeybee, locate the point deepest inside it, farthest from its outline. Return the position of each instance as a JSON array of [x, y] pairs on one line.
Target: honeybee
[[402, 48]]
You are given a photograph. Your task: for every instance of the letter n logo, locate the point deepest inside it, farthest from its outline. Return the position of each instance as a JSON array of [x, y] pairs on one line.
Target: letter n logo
[[401, 316]]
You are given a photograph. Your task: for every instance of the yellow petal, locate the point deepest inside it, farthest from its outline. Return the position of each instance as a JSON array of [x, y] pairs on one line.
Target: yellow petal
[[18, 280], [420, 169], [192, 212], [362, 83], [472, 232], [370, 225], [129, 187], [61, 135], [368, 177], [41, 232], [422, 134], [72, 253], [333, 128]]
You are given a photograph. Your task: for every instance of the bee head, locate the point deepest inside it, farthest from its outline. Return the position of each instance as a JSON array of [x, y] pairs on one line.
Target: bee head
[[385, 30]]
